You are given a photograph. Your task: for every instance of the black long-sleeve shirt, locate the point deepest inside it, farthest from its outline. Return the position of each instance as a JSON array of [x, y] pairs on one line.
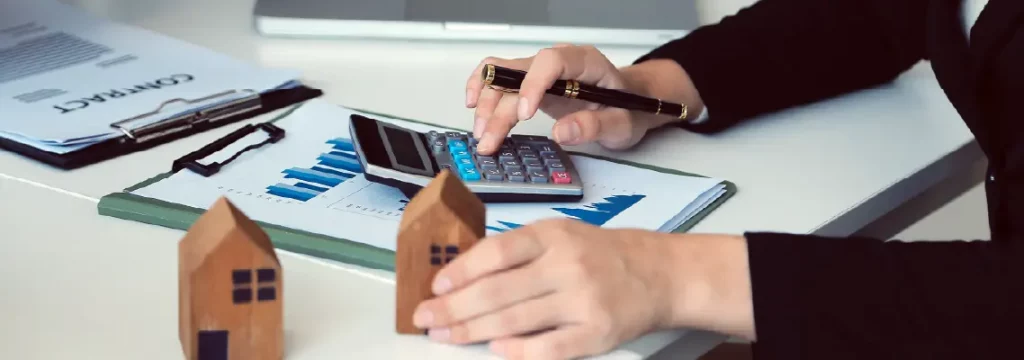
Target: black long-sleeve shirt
[[846, 298]]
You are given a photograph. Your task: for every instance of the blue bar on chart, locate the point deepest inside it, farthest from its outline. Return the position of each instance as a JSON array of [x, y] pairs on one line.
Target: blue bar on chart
[[341, 161], [292, 192], [334, 167], [342, 144]]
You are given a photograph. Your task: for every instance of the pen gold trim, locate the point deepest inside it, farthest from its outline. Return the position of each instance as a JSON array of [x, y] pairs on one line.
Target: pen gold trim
[[490, 75]]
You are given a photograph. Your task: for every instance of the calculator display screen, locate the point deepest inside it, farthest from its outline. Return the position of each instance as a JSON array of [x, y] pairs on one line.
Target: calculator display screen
[[404, 148]]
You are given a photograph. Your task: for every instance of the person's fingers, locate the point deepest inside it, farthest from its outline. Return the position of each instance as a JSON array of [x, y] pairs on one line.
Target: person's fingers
[[497, 127], [534, 314], [487, 103], [566, 342], [482, 297], [499, 252], [475, 83], [567, 62], [609, 126]]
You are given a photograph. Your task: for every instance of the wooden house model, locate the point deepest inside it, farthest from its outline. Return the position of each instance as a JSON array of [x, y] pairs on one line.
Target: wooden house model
[[230, 287], [442, 220]]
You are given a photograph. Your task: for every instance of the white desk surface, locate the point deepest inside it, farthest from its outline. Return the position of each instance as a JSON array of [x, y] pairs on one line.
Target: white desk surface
[[799, 171], [81, 286]]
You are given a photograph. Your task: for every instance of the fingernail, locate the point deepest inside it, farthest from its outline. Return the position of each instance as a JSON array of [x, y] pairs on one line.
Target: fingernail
[[422, 318], [524, 109], [478, 126], [498, 347], [488, 142], [567, 132], [442, 285], [439, 334]]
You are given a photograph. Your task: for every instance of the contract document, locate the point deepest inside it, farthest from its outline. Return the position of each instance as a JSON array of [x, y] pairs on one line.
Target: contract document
[[69, 79]]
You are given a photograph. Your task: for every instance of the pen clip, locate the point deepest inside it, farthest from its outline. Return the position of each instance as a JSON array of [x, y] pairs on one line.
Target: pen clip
[[189, 118]]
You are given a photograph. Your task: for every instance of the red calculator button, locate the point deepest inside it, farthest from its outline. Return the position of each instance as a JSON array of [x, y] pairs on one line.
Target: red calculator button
[[561, 177]]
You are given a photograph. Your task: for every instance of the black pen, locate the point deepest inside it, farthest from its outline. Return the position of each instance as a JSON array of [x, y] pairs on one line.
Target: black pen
[[510, 80]]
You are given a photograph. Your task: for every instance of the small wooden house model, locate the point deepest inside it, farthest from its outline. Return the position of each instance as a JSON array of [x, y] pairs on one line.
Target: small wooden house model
[[230, 287], [442, 220]]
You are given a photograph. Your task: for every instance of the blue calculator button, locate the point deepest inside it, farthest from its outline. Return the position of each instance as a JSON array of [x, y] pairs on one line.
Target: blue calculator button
[[470, 174], [464, 164], [457, 145], [461, 154]]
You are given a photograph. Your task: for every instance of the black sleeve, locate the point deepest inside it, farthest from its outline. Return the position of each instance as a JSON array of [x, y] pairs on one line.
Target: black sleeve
[[857, 298], [777, 54]]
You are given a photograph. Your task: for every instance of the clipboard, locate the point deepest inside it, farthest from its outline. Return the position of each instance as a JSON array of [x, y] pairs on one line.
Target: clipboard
[[143, 137], [128, 206]]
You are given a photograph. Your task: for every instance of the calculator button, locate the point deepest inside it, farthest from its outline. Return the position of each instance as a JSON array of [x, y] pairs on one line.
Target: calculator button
[[465, 164], [448, 167], [453, 135], [472, 141], [462, 154], [437, 146], [511, 165], [494, 175], [555, 166], [524, 148], [485, 157], [538, 177], [469, 174], [550, 158], [487, 164], [506, 156], [545, 150], [444, 160], [529, 139], [456, 145], [516, 175], [533, 165], [561, 177], [527, 155]]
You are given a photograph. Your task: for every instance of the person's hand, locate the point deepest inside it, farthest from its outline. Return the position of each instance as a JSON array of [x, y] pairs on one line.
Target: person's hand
[[554, 289], [577, 121]]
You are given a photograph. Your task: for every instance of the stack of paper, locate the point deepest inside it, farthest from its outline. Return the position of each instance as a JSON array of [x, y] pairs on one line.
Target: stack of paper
[[307, 182], [67, 76]]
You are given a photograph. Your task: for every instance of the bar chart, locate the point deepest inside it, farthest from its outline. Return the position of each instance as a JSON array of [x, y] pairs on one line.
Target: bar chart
[[333, 167]]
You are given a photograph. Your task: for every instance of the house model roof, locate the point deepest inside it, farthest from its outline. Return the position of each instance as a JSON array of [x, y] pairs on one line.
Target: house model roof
[[223, 221], [447, 190]]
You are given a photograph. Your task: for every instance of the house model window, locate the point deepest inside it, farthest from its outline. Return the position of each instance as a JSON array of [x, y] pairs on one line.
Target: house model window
[[442, 255], [243, 285]]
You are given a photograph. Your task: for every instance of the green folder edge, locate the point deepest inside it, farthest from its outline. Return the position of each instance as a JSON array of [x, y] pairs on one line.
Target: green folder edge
[[125, 205]]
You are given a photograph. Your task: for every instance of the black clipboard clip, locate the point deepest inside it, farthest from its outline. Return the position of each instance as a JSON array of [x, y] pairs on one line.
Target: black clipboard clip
[[197, 118], [191, 161]]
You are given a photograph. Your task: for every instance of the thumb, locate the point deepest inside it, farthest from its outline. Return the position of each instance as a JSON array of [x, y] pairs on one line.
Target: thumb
[[611, 127]]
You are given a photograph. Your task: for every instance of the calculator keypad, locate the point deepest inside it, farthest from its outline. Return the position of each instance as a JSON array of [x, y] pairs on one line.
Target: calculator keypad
[[520, 159]]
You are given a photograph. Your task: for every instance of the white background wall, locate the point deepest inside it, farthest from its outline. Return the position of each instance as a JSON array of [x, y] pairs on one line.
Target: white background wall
[[963, 218]]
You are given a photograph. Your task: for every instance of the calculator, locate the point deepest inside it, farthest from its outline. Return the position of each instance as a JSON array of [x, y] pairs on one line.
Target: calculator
[[526, 168]]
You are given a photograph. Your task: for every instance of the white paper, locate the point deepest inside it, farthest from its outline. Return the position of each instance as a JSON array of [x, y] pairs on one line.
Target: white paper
[[66, 75], [358, 210]]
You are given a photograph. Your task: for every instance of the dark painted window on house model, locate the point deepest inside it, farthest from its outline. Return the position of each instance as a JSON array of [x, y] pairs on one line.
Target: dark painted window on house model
[[242, 280], [443, 254]]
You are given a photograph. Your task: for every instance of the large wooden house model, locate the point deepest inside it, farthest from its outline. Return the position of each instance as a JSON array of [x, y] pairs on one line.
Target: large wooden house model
[[230, 287], [442, 220]]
